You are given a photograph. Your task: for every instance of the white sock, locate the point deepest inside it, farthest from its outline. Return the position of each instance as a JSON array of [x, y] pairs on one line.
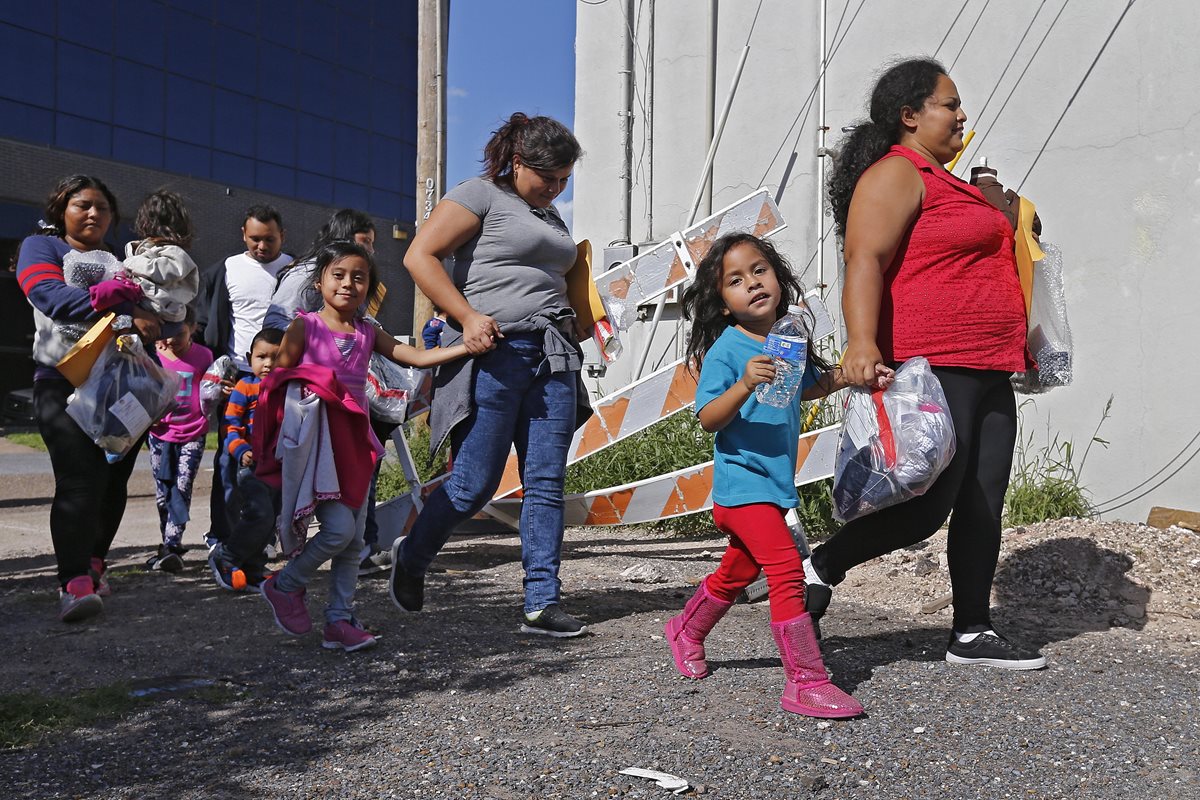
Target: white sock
[[970, 637], [810, 574]]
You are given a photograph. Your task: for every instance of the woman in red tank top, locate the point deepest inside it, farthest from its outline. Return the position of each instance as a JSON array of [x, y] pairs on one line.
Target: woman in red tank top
[[930, 272]]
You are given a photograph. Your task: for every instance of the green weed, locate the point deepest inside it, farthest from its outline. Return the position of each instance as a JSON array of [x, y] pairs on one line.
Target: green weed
[[27, 439], [392, 482], [27, 716], [1046, 482]]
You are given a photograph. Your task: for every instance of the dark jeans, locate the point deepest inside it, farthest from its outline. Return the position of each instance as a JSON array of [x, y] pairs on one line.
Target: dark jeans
[[89, 493], [255, 525], [517, 402], [970, 491]]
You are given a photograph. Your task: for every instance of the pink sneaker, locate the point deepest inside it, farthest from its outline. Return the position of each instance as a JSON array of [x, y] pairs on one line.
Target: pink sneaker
[[100, 578], [348, 635], [291, 613], [79, 600]]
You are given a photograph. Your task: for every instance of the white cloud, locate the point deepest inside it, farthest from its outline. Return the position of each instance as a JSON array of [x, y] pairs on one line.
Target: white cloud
[[456, 91]]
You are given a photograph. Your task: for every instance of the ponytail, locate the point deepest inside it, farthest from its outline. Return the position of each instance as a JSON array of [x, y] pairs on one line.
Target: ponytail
[[904, 85], [541, 142]]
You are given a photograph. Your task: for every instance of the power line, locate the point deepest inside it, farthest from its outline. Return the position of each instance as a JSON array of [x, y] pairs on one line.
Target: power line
[[951, 28], [1135, 498], [1075, 94], [1011, 58], [978, 144], [806, 106], [969, 34], [1155, 475]]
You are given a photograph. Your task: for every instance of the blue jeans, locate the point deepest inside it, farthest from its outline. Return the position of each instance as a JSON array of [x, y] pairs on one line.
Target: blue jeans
[[339, 540], [517, 402]]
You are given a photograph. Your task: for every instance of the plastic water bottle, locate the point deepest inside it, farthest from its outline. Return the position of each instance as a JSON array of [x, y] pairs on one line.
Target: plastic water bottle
[[787, 345]]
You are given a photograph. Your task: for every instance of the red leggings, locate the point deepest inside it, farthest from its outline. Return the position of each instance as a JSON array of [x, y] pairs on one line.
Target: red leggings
[[759, 539]]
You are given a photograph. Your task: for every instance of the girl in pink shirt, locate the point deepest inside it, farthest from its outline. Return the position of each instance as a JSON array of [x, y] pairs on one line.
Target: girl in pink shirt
[[177, 444]]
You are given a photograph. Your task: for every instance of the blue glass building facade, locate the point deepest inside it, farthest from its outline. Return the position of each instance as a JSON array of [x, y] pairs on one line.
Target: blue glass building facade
[[312, 100]]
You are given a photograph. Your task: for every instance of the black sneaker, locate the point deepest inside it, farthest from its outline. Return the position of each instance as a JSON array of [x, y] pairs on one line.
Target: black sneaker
[[994, 650], [553, 621], [165, 560], [407, 591]]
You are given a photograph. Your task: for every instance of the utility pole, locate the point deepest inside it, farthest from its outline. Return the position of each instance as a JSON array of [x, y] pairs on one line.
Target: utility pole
[[433, 17]]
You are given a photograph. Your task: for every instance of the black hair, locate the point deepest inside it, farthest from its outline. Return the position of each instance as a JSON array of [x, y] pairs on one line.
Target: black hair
[[264, 213], [56, 204], [189, 315], [269, 335], [704, 307], [336, 251], [163, 218], [342, 226], [542, 143], [906, 84]]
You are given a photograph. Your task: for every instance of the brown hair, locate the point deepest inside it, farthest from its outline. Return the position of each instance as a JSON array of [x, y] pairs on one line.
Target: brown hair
[[164, 219], [541, 142]]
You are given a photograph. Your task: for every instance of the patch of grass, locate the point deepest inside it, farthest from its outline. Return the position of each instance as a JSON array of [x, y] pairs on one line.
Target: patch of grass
[[1046, 483], [28, 439], [391, 477], [34, 440], [670, 444], [26, 717]]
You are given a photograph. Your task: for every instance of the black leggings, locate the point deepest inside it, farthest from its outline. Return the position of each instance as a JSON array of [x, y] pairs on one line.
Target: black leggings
[[973, 485], [89, 493]]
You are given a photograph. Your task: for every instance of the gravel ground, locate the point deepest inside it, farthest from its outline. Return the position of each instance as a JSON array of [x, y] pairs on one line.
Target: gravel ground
[[454, 703]]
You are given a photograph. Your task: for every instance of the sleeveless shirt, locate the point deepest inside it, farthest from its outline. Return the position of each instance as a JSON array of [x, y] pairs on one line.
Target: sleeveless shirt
[[952, 293], [321, 349]]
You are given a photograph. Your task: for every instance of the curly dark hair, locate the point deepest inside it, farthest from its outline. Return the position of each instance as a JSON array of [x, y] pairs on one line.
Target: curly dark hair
[[705, 309], [542, 143], [163, 218], [907, 84]]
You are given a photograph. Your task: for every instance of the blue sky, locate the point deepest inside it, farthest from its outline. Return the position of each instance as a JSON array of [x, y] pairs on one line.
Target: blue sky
[[506, 56]]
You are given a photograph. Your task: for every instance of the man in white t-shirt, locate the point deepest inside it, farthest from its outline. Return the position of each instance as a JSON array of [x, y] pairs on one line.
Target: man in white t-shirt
[[231, 309]]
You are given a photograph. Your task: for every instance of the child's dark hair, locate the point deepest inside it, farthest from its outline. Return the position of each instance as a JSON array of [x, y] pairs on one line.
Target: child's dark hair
[[334, 252], [265, 214], [269, 335], [189, 315], [542, 143], [704, 308], [344, 225], [60, 198], [164, 219]]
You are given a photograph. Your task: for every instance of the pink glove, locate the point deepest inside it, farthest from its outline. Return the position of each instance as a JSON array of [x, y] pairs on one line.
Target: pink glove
[[120, 289]]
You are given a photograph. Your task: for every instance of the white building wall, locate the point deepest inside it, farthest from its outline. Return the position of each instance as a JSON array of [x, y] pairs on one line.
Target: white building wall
[[1117, 185]]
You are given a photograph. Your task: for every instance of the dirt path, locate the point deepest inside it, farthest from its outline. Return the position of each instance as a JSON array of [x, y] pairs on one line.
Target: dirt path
[[455, 703]]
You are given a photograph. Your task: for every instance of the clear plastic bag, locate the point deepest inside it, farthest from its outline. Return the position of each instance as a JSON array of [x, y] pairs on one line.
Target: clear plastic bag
[[390, 387], [212, 394], [126, 393], [894, 443], [1049, 339]]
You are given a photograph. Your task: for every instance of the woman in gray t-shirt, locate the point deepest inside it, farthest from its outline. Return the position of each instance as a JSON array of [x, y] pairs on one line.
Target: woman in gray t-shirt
[[507, 301]]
